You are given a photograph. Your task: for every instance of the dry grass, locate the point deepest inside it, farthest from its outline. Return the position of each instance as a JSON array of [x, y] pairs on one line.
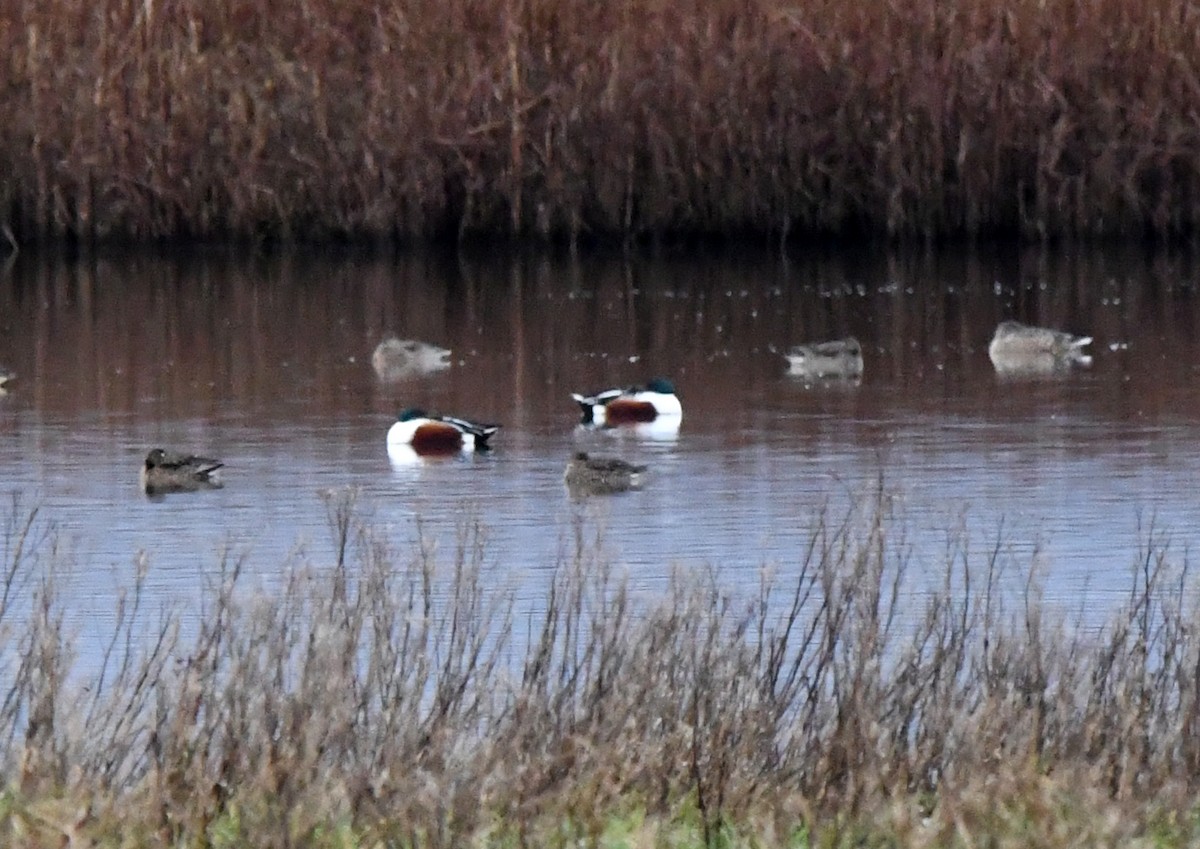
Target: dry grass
[[571, 119], [388, 700]]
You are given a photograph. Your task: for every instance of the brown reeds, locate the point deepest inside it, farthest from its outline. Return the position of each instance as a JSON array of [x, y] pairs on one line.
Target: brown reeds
[[568, 119], [386, 699]]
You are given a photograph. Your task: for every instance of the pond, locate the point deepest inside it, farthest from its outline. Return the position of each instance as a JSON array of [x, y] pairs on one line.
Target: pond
[[266, 364]]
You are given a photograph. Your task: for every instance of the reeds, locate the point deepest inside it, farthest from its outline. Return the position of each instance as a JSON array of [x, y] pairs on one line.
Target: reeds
[[388, 699], [567, 119]]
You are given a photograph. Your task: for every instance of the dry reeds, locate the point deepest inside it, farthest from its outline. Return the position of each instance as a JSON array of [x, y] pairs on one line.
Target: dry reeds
[[569, 119], [380, 699]]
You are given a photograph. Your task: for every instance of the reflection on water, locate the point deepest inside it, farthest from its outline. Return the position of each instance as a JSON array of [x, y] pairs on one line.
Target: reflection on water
[[663, 429], [268, 365]]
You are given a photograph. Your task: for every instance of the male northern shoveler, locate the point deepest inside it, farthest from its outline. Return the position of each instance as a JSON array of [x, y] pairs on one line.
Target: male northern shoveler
[[5, 377], [841, 358], [427, 433], [167, 471], [629, 406], [394, 359], [1021, 348], [592, 475]]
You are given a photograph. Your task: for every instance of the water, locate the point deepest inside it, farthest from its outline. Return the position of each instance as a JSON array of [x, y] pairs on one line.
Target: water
[[265, 364]]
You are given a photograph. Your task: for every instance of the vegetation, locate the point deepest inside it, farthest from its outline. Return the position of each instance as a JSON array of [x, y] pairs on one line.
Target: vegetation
[[570, 119], [387, 701]]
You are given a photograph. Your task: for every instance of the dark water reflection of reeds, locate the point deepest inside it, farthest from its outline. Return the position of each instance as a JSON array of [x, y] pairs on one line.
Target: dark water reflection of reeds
[[265, 363]]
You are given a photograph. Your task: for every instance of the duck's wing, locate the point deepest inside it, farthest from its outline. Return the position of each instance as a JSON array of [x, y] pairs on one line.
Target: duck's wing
[[834, 348], [601, 398], [479, 431], [612, 465], [189, 463], [206, 466]]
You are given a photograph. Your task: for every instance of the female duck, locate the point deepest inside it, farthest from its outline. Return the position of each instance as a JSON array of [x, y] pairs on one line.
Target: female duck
[[637, 404], [841, 358], [427, 433], [1017, 347], [394, 359], [167, 471], [593, 475]]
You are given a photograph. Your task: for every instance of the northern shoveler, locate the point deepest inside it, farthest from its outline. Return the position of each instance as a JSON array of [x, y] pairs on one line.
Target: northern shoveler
[[637, 404], [167, 471], [427, 433], [1020, 348], [841, 358], [395, 359], [5, 377], [594, 475]]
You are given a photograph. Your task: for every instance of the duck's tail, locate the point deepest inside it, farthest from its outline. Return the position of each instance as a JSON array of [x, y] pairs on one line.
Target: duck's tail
[[1075, 350], [587, 407], [482, 434], [208, 467]]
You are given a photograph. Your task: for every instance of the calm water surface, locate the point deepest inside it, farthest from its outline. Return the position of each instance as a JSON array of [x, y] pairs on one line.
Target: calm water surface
[[266, 364]]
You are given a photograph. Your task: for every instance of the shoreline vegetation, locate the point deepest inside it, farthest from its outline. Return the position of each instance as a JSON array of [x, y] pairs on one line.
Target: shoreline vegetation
[[395, 699], [572, 121]]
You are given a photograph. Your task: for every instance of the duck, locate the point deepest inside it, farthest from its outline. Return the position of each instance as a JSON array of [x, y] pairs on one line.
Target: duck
[[5, 377], [1022, 348], [168, 471], [429, 433], [394, 359], [840, 358], [599, 475], [637, 404]]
